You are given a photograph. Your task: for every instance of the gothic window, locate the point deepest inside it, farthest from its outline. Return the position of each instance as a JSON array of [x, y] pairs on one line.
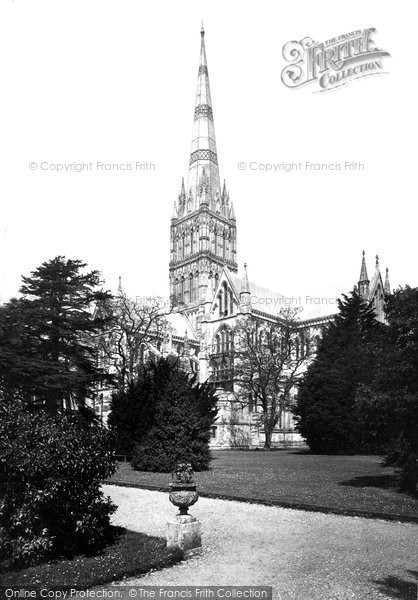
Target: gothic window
[[225, 296], [196, 286], [297, 347], [218, 344], [191, 287], [182, 289]]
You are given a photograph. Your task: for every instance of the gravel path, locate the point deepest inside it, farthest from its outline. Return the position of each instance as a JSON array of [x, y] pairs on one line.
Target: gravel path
[[303, 555]]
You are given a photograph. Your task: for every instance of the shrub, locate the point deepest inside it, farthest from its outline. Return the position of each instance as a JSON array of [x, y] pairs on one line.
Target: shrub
[[174, 415], [50, 500]]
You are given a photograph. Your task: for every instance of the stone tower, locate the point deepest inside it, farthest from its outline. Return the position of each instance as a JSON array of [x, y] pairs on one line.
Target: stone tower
[[203, 226]]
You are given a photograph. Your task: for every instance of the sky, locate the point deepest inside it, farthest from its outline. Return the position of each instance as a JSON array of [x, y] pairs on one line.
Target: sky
[[113, 81]]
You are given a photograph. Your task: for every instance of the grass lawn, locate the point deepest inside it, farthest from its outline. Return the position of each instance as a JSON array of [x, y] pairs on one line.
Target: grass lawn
[[295, 478], [131, 554]]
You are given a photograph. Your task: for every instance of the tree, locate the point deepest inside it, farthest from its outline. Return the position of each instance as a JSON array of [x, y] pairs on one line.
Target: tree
[[47, 337], [170, 416], [269, 363], [388, 406], [132, 412], [346, 358], [135, 324]]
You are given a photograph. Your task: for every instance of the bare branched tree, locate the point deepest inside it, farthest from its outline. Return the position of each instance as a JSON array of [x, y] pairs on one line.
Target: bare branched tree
[[270, 359], [136, 324]]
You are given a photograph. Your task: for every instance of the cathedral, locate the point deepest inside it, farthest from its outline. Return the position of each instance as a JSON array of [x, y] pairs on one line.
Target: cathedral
[[208, 292]]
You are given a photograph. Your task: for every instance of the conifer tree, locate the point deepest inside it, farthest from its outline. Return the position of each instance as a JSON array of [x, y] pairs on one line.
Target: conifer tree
[[164, 418], [346, 358], [47, 337]]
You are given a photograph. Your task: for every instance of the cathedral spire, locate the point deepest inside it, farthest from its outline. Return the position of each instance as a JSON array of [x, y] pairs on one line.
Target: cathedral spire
[[363, 284], [203, 155], [203, 230]]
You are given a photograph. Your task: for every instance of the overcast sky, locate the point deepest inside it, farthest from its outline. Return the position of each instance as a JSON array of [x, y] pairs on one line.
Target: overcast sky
[[113, 81]]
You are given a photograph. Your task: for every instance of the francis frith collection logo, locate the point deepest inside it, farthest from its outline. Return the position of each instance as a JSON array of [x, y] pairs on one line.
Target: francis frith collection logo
[[333, 63]]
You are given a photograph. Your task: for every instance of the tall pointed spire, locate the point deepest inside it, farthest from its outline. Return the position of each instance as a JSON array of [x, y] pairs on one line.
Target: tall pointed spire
[[363, 284], [203, 155], [245, 294], [387, 284], [363, 272], [245, 286], [203, 230], [120, 289]]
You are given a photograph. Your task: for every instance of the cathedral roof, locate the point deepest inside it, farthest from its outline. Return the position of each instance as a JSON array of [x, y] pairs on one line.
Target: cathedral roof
[[181, 325], [261, 298], [270, 302]]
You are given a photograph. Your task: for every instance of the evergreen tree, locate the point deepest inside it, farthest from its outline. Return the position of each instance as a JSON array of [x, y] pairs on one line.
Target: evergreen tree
[[47, 337], [346, 358], [132, 412], [388, 406], [164, 417]]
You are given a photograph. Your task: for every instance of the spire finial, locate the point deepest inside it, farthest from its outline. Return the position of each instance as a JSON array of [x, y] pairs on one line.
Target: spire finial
[[202, 30], [387, 284], [120, 284], [245, 287], [377, 260]]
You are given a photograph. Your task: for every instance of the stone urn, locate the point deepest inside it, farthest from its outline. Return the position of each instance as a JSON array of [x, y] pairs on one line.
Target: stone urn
[[182, 488]]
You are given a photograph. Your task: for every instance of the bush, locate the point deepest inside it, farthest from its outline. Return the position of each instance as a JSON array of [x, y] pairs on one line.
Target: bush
[[173, 416], [50, 501]]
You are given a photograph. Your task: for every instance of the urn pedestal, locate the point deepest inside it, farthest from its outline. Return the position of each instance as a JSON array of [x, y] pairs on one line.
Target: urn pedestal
[[183, 530]]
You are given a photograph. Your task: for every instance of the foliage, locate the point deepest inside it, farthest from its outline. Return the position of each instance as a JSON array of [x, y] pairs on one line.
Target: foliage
[[164, 418], [388, 407], [347, 357], [270, 359], [51, 468], [132, 413], [47, 337], [131, 554]]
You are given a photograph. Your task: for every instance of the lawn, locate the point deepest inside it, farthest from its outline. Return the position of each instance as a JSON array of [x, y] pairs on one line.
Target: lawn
[[131, 554], [356, 485]]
